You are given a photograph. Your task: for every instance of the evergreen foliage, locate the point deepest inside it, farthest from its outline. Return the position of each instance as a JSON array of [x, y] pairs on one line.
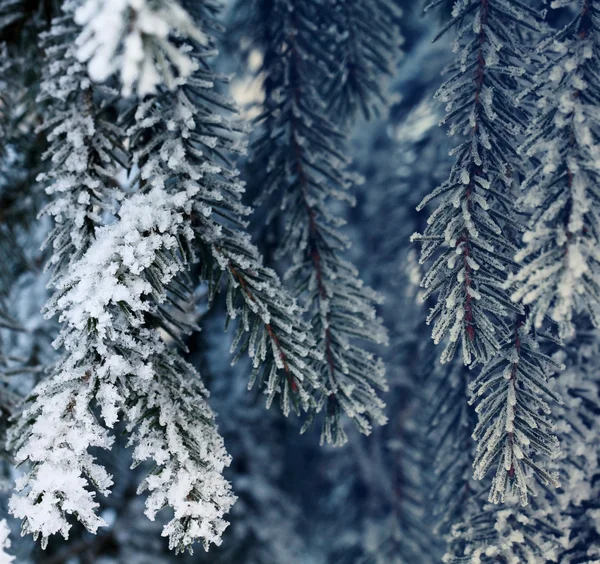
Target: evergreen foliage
[[303, 172], [468, 231], [559, 273], [118, 283], [127, 186], [470, 236], [367, 48], [137, 40], [512, 417]]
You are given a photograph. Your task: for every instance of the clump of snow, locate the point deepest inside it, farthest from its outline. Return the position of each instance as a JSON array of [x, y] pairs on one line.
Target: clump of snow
[[134, 38]]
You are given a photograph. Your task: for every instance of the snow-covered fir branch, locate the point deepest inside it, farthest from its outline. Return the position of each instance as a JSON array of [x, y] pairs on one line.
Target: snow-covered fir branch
[[391, 522], [507, 533], [84, 150], [475, 530], [471, 237], [513, 428], [113, 362], [468, 233], [74, 144], [560, 272], [304, 171]]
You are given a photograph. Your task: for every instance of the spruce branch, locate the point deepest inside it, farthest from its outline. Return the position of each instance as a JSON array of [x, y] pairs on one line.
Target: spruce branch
[[471, 240], [303, 171]]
